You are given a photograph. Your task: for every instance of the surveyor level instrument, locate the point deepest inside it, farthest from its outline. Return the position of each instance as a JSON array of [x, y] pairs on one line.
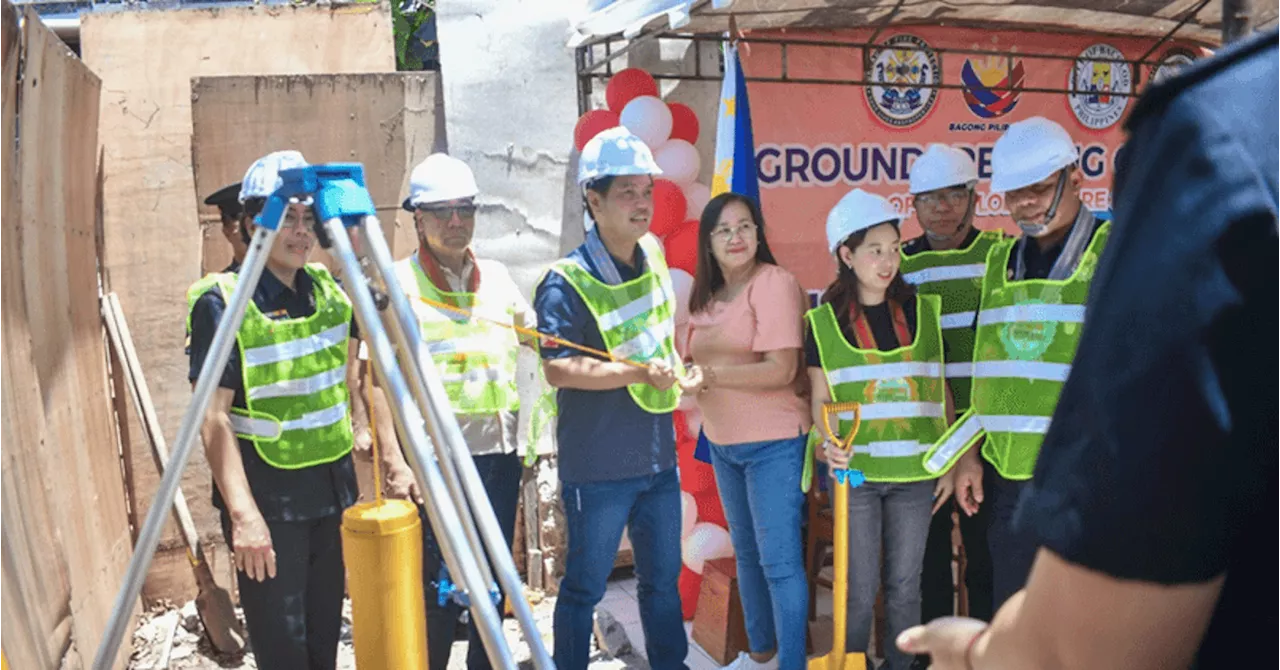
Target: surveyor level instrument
[[845, 479], [457, 506]]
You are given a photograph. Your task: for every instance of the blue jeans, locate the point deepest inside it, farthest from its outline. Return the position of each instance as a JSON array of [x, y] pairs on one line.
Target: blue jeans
[[759, 486], [895, 516], [596, 513]]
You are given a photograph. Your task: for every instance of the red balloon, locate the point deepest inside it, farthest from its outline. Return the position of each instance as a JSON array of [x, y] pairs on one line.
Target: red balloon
[[591, 124], [628, 85], [669, 207], [684, 123], [681, 246]]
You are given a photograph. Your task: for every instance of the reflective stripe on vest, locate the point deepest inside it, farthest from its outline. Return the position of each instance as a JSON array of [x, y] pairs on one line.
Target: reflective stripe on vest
[[902, 400], [956, 277], [476, 359], [1027, 336], [636, 318], [297, 413]]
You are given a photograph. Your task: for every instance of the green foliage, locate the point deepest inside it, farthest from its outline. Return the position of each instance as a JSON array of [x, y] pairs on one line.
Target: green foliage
[[407, 18]]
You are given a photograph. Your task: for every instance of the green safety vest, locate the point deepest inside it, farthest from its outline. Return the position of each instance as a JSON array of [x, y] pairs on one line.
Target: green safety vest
[[955, 276], [295, 375], [636, 319], [901, 393], [1027, 336], [476, 359]]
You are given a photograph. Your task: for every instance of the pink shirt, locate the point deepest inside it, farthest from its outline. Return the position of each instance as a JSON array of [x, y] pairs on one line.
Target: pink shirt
[[765, 316]]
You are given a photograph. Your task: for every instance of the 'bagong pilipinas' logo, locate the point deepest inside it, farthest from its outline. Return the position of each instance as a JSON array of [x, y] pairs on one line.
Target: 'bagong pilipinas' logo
[[992, 85], [904, 78]]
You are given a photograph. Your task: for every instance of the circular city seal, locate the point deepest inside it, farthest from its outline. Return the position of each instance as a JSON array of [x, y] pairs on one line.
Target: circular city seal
[[1172, 62], [904, 72], [1102, 87], [1027, 340]]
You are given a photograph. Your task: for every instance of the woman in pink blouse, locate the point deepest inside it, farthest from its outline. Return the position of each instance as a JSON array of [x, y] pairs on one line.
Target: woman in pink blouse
[[746, 338]]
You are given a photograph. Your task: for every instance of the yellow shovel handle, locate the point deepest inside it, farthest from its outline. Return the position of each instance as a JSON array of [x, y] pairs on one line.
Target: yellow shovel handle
[[834, 409]]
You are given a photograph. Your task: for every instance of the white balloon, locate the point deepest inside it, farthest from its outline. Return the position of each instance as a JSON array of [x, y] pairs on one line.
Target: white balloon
[[689, 514], [649, 118], [697, 196], [683, 283], [679, 161], [707, 542]]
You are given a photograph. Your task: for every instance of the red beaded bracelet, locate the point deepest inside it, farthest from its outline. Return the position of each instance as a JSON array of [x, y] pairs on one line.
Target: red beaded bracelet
[[968, 651]]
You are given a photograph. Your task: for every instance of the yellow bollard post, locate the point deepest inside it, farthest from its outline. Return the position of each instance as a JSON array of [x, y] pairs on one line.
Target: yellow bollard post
[[382, 548]]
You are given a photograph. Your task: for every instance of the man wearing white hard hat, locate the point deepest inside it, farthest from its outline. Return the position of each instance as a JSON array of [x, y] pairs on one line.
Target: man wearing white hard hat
[[279, 433], [876, 341], [477, 362], [949, 261], [615, 433], [1029, 323]]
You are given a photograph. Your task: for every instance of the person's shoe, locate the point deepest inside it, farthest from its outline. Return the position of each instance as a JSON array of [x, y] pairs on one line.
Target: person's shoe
[[745, 662]]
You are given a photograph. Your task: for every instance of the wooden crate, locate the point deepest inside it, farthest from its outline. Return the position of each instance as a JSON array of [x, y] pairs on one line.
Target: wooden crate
[[719, 626]]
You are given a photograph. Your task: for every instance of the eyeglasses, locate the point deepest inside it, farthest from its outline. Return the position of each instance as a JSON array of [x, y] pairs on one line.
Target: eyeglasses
[[445, 214], [725, 233], [950, 196]]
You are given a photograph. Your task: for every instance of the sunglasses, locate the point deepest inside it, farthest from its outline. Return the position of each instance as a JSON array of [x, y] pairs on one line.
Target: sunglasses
[[445, 214]]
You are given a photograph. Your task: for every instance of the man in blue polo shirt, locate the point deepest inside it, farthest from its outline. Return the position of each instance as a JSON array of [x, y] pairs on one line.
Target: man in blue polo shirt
[[616, 439]]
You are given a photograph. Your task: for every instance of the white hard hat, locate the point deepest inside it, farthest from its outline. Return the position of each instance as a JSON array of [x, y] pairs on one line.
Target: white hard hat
[[439, 178], [1028, 152], [613, 153], [263, 177], [857, 211], [941, 166]]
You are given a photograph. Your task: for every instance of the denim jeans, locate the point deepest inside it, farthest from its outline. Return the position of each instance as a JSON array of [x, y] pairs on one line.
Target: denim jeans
[[759, 485], [596, 513], [500, 475], [897, 516], [1012, 550]]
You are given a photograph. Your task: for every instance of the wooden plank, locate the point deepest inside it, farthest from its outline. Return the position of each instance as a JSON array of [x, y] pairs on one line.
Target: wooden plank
[[58, 111], [35, 612], [152, 236], [385, 121]]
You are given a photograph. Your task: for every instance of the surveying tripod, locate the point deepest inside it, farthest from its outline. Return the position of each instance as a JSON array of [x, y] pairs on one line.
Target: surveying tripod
[[456, 503]]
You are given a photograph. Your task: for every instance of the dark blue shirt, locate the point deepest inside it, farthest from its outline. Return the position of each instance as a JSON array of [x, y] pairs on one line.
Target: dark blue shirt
[[281, 495], [601, 435], [1160, 463]]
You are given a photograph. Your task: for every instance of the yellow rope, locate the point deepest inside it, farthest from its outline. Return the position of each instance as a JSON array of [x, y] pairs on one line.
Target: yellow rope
[[529, 332], [373, 431]]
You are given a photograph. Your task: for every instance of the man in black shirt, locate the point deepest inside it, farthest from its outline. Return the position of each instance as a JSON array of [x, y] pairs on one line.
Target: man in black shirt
[[236, 230], [1152, 494]]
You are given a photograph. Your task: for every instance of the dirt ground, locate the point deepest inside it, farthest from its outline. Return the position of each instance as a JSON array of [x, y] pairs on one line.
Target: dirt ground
[[171, 637]]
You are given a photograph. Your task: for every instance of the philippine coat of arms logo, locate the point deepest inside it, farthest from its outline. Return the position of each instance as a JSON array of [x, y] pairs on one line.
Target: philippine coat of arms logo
[[904, 71], [992, 85], [1103, 86]]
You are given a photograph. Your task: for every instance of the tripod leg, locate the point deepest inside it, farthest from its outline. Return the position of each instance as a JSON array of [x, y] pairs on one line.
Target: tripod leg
[[149, 536], [441, 510], [443, 426]]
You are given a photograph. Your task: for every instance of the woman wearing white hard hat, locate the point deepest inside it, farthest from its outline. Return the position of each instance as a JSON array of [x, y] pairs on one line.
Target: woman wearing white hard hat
[[478, 369], [615, 434], [281, 491], [873, 340], [1029, 323], [949, 261]]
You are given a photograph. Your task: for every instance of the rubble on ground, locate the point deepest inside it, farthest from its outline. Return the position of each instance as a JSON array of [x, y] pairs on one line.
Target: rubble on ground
[[169, 637]]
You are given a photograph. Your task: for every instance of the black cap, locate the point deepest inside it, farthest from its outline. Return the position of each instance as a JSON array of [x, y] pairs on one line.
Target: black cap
[[227, 199]]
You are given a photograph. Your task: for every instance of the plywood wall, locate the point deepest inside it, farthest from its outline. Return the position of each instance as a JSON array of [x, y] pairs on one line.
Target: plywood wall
[[153, 241], [385, 121], [66, 539]]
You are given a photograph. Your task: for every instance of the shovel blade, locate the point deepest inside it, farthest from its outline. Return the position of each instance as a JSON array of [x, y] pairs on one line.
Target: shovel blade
[[218, 616]]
